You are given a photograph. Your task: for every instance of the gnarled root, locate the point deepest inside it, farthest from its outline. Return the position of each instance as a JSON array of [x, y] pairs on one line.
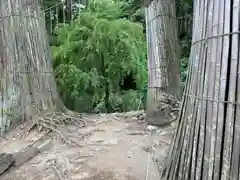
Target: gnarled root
[[55, 121]]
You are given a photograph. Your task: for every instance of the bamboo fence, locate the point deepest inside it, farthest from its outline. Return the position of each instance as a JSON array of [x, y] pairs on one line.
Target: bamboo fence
[[207, 142]]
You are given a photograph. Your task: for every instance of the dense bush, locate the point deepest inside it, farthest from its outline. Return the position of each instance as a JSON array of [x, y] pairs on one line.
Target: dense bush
[[100, 60]]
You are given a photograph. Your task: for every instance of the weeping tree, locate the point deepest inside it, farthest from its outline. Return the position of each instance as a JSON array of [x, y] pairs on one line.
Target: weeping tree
[[163, 59], [27, 85], [206, 144], [100, 60]]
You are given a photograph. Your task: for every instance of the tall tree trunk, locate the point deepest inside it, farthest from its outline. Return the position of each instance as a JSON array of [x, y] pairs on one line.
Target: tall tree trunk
[[163, 58], [27, 85], [207, 142]]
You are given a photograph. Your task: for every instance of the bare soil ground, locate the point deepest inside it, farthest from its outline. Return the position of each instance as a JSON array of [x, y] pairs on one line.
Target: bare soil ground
[[114, 147]]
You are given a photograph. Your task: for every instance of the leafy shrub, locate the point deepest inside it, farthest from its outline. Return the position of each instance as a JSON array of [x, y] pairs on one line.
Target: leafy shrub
[[94, 54]]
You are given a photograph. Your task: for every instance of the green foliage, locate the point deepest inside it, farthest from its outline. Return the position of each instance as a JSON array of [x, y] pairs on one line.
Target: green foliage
[[184, 7], [132, 8], [49, 3], [184, 10], [185, 46], [94, 54], [123, 101]]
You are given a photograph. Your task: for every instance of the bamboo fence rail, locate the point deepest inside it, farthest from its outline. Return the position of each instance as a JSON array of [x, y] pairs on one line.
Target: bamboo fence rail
[[206, 145]]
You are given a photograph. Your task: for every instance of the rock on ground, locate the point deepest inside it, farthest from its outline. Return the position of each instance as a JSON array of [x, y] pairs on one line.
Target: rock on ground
[[114, 147]]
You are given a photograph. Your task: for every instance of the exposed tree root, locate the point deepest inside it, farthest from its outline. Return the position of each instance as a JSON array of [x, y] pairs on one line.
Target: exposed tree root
[[51, 122]]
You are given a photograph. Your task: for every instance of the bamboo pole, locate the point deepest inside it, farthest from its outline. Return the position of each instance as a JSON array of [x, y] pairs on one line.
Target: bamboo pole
[[69, 11]]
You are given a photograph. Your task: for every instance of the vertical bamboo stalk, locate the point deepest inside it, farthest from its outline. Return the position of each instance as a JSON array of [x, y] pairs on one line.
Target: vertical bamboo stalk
[[218, 95], [230, 116], [56, 15], [207, 92], [50, 21], [69, 10], [64, 11], [235, 144]]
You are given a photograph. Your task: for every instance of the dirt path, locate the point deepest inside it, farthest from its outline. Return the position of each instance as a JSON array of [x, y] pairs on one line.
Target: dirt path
[[114, 148]]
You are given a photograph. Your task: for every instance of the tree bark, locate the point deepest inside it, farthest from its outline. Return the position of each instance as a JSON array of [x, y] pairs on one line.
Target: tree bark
[[27, 85], [163, 58], [207, 142]]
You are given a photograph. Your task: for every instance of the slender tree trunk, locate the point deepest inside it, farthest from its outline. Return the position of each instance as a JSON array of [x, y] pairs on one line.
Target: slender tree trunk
[[69, 10], [27, 85], [207, 142], [163, 58]]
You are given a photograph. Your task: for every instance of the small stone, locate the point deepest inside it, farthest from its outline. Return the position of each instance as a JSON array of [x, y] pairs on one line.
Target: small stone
[[163, 133], [146, 148], [159, 131], [134, 118], [139, 113], [119, 114], [129, 114], [142, 117], [174, 125], [151, 128]]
